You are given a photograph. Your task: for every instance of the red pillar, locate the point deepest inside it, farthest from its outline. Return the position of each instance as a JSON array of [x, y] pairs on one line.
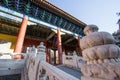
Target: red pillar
[[79, 46], [59, 46], [21, 36]]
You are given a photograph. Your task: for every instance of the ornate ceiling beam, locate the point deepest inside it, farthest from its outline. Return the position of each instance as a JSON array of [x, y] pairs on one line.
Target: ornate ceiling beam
[[59, 22], [69, 40], [50, 36], [65, 23], [49, 17], [17, 4], [9, 22], [50, 7], [7, 29], [36, 12], [35, 38], [53, 21]]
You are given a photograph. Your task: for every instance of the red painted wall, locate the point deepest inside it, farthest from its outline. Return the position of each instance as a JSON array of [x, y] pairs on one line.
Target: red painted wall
[[31, 42]]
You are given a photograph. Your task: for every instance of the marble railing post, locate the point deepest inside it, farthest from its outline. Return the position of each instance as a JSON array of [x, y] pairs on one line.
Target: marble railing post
[[75, 59], [33, 61], [63, 58]]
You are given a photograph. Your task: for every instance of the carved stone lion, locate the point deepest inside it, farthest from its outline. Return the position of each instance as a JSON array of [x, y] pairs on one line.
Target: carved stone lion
[[102, 55]]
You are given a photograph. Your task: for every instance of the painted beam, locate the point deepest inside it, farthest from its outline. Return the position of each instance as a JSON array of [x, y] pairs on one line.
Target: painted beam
[[68, 27], [6, 2], [17, 4], [69, 40], [26, 8], [19, 15], [43, 15], [36, 12], [60, 22], [55, 20], [50, 36], [72, 27], [65, 23], [49, 18], [80, 30]]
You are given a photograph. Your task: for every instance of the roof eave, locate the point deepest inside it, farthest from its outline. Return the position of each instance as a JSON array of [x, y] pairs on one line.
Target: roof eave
[[50, 7]]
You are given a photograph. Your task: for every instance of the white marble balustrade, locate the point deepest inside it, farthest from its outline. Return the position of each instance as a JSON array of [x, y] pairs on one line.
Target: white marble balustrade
[[73, 61], [33, 67], [10, 66], [38, 69], [51, 72]]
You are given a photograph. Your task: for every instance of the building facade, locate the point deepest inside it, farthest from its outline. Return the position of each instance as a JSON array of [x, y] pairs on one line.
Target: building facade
[[26, 23]]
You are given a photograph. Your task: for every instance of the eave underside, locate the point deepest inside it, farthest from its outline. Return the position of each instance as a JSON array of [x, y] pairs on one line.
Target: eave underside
[[37, 32], [46, 12]]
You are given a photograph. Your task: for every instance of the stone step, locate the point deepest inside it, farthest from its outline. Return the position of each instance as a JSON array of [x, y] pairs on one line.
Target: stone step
[[71, 71]]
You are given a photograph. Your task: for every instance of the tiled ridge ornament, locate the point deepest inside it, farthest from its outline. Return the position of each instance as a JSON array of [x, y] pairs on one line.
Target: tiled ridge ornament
[[101, 54]]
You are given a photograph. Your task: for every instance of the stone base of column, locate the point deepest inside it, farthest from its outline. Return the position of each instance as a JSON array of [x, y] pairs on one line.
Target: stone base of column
[[18, 56]]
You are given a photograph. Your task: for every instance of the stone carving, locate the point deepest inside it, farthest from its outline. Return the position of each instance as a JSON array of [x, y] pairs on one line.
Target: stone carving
[[73, 61], [41, 48], [37, 68], [101, 54], [32, 62]]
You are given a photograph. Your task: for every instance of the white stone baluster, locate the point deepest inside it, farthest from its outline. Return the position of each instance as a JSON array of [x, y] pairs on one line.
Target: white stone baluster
[[75, 60], [63, 57]]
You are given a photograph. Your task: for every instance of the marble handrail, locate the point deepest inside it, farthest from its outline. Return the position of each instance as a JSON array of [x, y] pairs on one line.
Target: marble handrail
[[41, 70], [11, 66], [50, 72], [34, 67], [73, 61]]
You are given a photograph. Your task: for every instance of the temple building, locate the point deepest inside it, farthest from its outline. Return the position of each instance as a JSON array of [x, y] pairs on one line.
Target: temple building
[[39, 41], [26, 23]]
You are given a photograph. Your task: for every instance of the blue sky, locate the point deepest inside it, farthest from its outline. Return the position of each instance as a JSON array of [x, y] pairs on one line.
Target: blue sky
[[99, 12]]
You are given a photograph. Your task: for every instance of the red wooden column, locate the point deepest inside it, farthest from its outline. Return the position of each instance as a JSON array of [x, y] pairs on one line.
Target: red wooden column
[[21, 36], [59, 46], [79, 46]]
